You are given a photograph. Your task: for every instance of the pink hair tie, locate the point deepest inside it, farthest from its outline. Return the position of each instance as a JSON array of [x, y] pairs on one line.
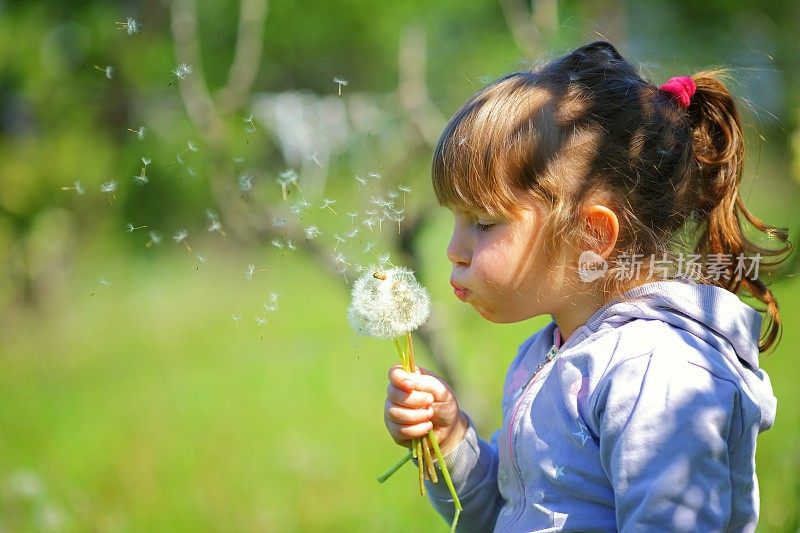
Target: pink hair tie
[[682, 88]]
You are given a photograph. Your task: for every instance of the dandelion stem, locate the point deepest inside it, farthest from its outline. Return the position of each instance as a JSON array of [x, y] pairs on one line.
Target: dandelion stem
[[426, 453], [447, 480], [406, 458]]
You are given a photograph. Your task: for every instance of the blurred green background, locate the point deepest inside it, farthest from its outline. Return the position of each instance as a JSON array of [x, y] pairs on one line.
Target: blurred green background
[[155, 386]]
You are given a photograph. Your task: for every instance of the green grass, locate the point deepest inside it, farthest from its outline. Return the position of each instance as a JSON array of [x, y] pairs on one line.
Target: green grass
[[143, 408]]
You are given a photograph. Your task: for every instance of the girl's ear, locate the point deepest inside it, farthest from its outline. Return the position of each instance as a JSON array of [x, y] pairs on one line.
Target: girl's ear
[[602, 226]]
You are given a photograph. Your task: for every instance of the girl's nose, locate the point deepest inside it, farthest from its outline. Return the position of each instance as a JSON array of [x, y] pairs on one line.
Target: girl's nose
[[456, 252]]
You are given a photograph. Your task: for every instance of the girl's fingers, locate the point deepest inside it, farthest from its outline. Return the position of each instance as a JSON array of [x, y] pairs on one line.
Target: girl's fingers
[[403, 434], [403, 416], [404, 398], [422, 380]]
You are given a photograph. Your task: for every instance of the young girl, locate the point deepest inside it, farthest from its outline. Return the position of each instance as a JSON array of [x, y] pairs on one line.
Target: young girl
[[579, 190]]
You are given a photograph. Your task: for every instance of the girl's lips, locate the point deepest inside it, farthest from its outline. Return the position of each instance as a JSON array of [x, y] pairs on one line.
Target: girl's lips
[[461, 294]]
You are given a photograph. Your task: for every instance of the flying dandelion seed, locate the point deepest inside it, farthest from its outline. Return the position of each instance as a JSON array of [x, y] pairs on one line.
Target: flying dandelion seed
[[236, 319], [141, 178], [102, 283], [339, 258], [384, 260], [312, 232], [182, 71], [352, 233], [369, 223], [405, 189], [248, 274], [109, 188], [326, 204], [180, 238], [202, 260], [399, 217], [338, 239], [191, 146], [179, 158], [245, 182], [261, 322], [314, 158], [216, 226], [108, 70], [277, 243], [141, 133], [352, 218], [341, 83], [77, 187], [369, 248], [155, 239], [130, 26], [290, 245], [146, 161], [375, 175], [301, 206], [361, 181], [130, 228], [252, 127]]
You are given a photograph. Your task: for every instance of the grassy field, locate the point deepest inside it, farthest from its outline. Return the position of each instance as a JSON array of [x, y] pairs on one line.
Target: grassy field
[[145, 407]]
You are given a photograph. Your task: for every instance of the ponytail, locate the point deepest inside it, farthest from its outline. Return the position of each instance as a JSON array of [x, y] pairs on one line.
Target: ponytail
[[719, 148]]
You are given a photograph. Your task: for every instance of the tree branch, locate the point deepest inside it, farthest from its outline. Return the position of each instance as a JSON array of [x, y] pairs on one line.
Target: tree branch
[[249, 45]]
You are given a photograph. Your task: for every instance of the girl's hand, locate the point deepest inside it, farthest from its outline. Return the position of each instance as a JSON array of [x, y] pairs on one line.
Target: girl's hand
[[419, 401]]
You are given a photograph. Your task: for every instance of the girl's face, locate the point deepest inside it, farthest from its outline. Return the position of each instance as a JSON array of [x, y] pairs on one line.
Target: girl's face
[[497, 268]]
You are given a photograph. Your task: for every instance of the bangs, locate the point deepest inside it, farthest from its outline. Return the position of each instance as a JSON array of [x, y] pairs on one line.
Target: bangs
[[485, 151]]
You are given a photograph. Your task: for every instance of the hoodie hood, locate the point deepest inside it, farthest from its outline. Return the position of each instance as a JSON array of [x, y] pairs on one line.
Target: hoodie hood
[[711, 313]]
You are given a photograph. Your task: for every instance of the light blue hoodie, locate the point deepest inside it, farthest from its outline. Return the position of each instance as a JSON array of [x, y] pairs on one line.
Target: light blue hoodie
[[646, 420]]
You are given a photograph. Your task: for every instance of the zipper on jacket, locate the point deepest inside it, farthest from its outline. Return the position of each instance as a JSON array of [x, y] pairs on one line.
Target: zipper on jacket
[[520, 400]]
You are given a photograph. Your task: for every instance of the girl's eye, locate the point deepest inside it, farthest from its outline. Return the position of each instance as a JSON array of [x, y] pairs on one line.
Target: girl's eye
[[483, 225]]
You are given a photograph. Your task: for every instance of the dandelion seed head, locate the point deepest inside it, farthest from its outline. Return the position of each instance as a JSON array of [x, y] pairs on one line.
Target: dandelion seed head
[[388, 303]]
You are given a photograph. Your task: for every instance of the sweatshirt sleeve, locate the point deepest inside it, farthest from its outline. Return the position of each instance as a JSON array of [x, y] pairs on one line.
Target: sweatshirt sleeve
[[472, 465], [663, 425]]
